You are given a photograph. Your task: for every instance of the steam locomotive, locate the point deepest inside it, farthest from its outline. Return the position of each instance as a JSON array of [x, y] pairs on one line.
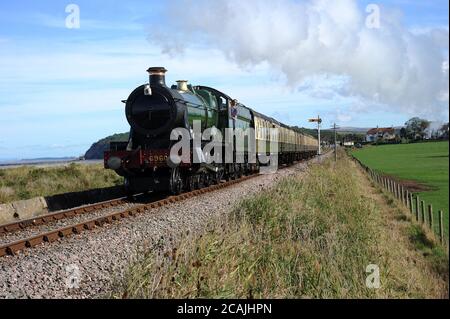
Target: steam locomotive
[[154, 110]]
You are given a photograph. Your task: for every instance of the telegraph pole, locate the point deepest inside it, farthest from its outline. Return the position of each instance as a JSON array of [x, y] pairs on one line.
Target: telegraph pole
[[335, 142], [318, 120]]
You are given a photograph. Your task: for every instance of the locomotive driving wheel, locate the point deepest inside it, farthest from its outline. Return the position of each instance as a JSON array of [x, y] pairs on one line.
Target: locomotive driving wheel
[[191, 183], [176, 182], [240, 171], [217, 177]]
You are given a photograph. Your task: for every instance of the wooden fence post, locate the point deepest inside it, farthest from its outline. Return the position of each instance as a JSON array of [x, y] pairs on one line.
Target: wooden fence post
[[407, 198], [441, 226], [430, 217], [402, 192], [411, 203], [422, 211], [417, 207]]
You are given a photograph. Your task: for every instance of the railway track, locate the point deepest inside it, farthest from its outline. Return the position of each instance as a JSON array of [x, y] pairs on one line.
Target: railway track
[[50, 235]]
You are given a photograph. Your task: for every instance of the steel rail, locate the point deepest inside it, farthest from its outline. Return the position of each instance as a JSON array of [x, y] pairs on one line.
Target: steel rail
[[53, 235], [47, 218]]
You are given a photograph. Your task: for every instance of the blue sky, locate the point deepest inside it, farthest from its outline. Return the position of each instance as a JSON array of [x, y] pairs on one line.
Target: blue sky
[[60, 88]]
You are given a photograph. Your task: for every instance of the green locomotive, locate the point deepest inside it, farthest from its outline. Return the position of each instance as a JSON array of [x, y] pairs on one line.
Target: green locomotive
[[154, 110]]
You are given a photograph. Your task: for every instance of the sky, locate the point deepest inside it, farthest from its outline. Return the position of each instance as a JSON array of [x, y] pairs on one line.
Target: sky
[[61, 87]]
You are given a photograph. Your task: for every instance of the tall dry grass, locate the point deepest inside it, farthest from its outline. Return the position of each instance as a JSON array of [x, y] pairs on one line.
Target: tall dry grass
[[308, 237], [28, 181]]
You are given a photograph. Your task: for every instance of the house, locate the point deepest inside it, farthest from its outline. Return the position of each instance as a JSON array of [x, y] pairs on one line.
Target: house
[[349, 144], [380, 133]]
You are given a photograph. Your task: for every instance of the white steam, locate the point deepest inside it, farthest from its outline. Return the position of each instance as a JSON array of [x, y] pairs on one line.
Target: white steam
[[390, 65]]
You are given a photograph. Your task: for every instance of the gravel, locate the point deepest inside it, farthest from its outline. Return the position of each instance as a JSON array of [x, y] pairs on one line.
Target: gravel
[[86, 265], [35, 230]]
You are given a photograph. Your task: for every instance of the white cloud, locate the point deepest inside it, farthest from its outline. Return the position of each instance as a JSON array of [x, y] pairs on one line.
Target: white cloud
[[390, 66]]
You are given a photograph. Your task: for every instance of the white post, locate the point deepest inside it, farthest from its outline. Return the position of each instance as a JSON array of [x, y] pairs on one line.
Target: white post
[[318, 133]]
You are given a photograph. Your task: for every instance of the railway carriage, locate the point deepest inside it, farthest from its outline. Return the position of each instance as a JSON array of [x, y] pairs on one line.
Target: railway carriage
[[153, 110]]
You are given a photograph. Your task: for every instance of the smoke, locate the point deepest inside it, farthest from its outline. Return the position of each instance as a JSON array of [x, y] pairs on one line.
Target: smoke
[[390, 66]]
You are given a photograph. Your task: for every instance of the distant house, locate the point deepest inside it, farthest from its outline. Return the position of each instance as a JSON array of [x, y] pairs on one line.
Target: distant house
[[380, 133], [349, 144]]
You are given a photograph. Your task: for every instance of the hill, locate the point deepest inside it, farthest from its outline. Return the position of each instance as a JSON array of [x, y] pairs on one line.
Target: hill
[[97, 149]]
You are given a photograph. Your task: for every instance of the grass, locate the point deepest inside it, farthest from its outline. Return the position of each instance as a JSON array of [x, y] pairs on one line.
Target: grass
[[28, 181], [308, 237], [425, 163]]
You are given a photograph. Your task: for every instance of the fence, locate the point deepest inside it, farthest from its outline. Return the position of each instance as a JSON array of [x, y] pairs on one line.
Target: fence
[[421, 213]]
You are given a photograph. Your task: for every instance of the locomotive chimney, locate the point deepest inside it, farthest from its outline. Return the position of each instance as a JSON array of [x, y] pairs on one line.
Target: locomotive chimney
[[157, 76], [182, 85]]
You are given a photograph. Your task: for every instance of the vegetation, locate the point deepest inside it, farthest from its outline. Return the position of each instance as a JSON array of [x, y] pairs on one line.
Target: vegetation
[[415, 128], [98, 148], [310, 236], [424, 163], [28, 181]]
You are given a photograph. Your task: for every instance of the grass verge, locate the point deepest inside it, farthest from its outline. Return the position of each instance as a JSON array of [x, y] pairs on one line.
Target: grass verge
[[28, 181], [311, 236]]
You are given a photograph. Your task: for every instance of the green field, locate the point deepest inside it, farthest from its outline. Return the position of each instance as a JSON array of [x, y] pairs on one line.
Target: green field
[[425, 163]]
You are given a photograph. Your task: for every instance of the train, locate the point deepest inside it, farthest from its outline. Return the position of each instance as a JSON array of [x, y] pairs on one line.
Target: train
[[156, 112]]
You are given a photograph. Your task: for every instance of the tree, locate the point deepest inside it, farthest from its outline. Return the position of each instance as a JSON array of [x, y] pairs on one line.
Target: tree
[[443, 131], [416, 128], [403, 133]]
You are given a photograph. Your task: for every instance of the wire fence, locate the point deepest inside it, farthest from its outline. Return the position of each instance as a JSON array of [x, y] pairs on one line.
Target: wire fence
[[421, 212]]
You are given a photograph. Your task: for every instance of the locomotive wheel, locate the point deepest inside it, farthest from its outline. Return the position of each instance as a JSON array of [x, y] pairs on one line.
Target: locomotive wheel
[[176, 182], [235, 171], [196, 182], [129, 191], [201, 181], [208, 180], [240, 170], [216, 178], [191, 183], [232, 172], [228, 173]]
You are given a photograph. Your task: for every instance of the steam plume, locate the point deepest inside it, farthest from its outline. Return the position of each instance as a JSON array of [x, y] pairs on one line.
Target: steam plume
[[388, 66]]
